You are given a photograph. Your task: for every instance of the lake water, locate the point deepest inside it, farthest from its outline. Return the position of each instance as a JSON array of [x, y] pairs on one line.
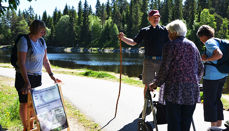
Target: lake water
[[132, 63]]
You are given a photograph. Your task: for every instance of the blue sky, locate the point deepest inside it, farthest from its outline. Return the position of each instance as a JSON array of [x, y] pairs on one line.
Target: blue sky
[[40, 6]]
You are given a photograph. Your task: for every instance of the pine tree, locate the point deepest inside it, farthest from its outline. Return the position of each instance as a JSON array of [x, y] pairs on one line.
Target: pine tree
[[36, 17], [55, 16], [72, 21], [59, 15], [189, 12], [177, 13], [19, 13], [13, 23], [85, 34], [103, 16], [96, 29], [136, 15], [224, 8], [80, 14], [144, 21], [108, 9], [45, 17], [52, 35], [154, 5], [66, 10], [129, 18], [62, 31], [116, 16], [201, 5], [90, 10], [227, 14], [49, 22], [167, 12], [98, 9]]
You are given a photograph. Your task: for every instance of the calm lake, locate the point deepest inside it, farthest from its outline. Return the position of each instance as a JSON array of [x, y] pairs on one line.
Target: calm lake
[[132, 62]]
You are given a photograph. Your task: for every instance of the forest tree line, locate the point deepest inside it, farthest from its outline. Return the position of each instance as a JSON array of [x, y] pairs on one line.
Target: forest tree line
[[86, 28]]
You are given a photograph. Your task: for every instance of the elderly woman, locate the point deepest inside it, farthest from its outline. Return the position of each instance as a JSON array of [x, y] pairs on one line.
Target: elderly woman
[[181, 71]]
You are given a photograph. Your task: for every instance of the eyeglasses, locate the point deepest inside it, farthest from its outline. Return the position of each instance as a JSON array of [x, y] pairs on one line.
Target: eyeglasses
[[43, 32]]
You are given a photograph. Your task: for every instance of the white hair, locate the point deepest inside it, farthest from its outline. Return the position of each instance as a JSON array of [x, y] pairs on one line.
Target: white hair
[[177, 26]]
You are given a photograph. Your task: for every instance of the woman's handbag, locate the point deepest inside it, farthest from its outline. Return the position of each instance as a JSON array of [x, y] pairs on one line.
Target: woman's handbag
[[160, 112]]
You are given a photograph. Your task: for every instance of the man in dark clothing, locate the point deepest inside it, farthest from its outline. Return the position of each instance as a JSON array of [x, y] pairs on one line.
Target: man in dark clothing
[[153, 37]]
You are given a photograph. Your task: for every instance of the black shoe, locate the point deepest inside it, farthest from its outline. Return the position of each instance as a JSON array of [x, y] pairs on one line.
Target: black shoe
[[144, 126]]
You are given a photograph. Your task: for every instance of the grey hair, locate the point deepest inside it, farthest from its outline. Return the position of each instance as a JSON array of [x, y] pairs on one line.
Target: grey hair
[[177, 26]]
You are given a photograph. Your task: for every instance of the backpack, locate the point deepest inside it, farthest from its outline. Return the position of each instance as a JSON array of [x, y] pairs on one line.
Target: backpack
[[13, 57], [223, 63]]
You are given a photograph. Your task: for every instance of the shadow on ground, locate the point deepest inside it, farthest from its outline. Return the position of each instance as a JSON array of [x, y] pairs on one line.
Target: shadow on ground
[[133, 126]]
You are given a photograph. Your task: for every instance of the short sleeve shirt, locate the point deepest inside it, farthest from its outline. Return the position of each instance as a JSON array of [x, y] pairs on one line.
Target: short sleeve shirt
[[153, 39], [34, 61], [211, 72]]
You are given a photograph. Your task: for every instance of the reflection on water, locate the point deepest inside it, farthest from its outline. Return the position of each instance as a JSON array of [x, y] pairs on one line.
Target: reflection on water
[[132, 63]]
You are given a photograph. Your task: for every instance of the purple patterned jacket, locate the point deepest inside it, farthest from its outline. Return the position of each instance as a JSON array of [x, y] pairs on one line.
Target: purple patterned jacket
[[181, 71]]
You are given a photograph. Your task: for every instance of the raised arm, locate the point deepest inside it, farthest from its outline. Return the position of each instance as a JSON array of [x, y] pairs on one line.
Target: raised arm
[[128, 41]]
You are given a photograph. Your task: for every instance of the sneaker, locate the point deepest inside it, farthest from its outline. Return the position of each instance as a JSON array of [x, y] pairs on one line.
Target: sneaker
[[227, 124], [214, 128]]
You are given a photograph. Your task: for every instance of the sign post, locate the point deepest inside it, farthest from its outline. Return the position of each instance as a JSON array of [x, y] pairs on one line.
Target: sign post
[[31, 116]]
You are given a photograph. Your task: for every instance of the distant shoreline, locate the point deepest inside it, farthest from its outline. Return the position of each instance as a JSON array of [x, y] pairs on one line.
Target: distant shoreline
[[85, 50]]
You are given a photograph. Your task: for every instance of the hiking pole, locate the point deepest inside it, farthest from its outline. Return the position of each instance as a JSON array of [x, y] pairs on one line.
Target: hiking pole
[[120, 80]]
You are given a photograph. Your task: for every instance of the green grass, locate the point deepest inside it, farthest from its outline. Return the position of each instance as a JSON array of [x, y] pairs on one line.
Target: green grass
[[225, 104], [97, 74], [224, 101], [9, 109], [9, 115], [75, 113], [6, 65]]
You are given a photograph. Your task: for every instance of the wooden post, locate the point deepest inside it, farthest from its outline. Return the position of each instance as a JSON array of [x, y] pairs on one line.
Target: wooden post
[[61, 96], [31, 115]]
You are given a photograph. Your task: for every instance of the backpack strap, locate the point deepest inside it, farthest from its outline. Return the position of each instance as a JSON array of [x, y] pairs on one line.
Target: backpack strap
[[42, 41], [29, 44]]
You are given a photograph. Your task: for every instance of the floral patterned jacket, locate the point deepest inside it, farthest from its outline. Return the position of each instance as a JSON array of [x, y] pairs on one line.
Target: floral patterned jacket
[[181, 71]]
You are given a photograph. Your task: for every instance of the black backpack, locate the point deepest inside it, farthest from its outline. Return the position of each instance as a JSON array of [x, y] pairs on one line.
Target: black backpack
[[13, 57], [223, 63]]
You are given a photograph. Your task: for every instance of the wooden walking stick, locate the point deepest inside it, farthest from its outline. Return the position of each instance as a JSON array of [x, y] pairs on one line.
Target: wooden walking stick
[[120, 80]]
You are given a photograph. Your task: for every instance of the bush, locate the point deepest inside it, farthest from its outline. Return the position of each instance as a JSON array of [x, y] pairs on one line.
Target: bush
[[97, 74]]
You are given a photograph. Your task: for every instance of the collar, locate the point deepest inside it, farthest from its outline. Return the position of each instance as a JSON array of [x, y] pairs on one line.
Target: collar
[[157, 27]]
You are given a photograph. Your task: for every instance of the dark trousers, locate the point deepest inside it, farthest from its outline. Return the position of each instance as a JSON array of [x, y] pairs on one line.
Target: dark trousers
[[35, 81], [212, 92], [179, 116]]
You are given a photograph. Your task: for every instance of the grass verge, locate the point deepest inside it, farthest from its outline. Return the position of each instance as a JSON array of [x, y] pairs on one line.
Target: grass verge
[[9, 115], [224, 101], [9, 106], [225, 104], [134, 81], [82, 119]]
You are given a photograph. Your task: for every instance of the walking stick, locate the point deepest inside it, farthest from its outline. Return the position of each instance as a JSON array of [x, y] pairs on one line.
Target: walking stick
[[120, 80]]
